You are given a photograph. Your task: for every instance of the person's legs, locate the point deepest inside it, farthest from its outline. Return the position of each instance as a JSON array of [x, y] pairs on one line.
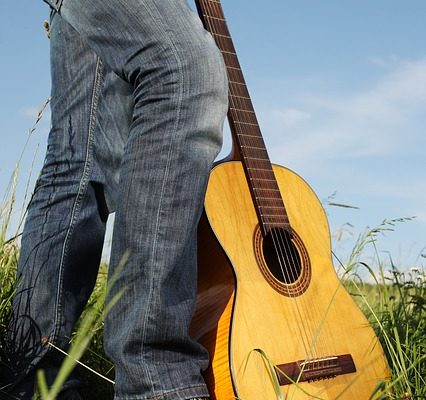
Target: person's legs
[[180, 94], [64, 230], [179, 88]]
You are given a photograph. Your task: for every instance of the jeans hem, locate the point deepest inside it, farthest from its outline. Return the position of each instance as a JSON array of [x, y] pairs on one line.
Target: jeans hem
[[193, 392]]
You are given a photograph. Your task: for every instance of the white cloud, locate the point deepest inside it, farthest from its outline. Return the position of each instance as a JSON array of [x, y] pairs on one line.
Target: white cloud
[[411, 188], [384, 62], [290, 116], [368, 144], [387, 119]]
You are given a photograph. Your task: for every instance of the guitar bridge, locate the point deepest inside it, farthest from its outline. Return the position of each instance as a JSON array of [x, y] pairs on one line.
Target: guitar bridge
[[315, 369]]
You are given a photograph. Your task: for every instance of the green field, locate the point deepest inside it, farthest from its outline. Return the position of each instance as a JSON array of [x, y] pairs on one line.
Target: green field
[[393, 301]]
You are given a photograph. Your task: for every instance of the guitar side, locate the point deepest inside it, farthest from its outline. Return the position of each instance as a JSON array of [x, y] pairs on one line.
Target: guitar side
[[239, 311]]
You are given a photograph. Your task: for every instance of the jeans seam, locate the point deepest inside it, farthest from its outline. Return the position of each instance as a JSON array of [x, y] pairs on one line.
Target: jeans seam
[[80, 194], [160, 202]]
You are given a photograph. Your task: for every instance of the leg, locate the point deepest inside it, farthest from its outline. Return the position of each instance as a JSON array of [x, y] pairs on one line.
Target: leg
[[180, 93], [64, 230]]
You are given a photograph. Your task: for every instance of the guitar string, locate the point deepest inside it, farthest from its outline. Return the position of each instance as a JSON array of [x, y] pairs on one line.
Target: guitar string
[[234, 99], [287, 245], [317, 338], [277, 235], [277, 239]]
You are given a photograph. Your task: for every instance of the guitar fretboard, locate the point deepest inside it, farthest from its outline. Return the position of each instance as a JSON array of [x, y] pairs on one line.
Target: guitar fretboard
[[244, 125]]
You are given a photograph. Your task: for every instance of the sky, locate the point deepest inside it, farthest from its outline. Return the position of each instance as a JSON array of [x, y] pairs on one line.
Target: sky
[[339, 88]]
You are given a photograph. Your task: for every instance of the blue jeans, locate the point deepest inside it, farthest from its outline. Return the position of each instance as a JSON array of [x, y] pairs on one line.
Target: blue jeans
[[139, 95]]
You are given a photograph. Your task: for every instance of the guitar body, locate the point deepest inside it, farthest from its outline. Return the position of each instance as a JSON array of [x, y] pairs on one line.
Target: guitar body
[[243, 311], [272, 313]]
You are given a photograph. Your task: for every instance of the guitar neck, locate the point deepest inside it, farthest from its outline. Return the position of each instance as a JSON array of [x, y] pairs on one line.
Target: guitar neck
[[244, 127]]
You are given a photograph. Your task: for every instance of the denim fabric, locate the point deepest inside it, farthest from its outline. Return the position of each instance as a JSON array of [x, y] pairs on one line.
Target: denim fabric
[[138, 100]]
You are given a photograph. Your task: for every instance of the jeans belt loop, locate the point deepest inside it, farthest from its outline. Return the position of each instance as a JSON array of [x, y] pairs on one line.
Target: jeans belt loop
[[57, 4]]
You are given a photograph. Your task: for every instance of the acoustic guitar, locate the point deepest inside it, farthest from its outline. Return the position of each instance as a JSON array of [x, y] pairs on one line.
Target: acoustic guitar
[[271, 311]]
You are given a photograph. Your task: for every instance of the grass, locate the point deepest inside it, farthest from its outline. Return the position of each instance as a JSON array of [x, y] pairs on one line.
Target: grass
[[86, 348], [9, 252], [394, 302], [86, 345]]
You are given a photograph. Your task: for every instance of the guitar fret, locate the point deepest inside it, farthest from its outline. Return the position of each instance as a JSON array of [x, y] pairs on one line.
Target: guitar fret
[[274, 216], [238, 83], [239, 109], [239, 90], [249, 136], [256, 141], [259, 159], [215, 18], [277, 212], [272, 190], [272, 210], [226, 47], [219, 35], [273, 207], [249, 118], [252, 147], [241, 105], [230, 58], [265, 170], [268, 185], [248, 151], [224, 44], [258, 163], [253, 129], [277, 224], [262, 179], [229, 52], [271, 198], [264, 197], [243, 112], [240, 101], [235, 68], [260, 166], [240, 97], [259, 169], [245, 123], [234, 71]]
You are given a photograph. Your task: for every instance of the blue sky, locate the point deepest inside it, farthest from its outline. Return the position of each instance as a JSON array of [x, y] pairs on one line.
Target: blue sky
[[340, 92]]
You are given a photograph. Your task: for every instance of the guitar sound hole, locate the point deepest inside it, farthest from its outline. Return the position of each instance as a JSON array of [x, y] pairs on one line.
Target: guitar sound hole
[[281, 256]]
